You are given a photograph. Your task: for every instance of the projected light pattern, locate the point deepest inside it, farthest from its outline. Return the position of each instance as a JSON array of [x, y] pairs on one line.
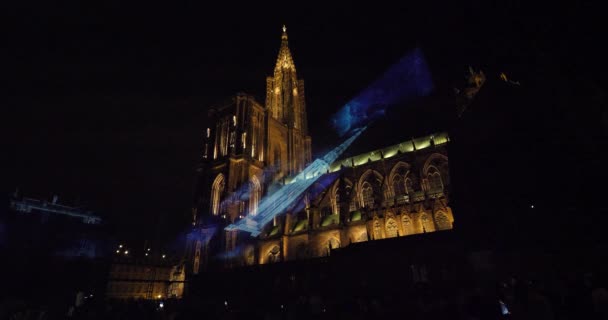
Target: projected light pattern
[[317, 188], [408, 78], [283, 198]]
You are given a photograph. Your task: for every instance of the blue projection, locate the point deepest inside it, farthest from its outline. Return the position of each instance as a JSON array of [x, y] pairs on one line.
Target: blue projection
[[407, 79], [284, 197]]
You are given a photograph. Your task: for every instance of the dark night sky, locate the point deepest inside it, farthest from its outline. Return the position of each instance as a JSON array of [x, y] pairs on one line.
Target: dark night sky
[[107, 104]]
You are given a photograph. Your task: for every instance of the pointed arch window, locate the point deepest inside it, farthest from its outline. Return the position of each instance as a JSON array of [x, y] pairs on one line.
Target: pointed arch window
[[391, 228], [442, 221], [368, 195], [435, 181], [377, 231], [255, 193], [217, 189]]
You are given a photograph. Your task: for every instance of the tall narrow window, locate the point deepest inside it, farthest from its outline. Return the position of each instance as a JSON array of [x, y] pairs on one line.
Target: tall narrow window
[[435, 183], [399, 189], [255, 193], [398, 186], [217, 189]]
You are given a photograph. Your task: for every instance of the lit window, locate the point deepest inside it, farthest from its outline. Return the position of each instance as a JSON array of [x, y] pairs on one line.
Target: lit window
[[216, 193], [255, 195], [208, 132]]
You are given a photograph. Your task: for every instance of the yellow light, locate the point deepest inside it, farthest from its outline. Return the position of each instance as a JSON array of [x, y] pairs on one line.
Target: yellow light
[[117, 251], [120, 245], [127, 252], [164, 256], [159, 296]]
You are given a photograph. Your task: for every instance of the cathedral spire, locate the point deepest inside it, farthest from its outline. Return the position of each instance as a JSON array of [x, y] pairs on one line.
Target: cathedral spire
[[287, 108], [284, 60]]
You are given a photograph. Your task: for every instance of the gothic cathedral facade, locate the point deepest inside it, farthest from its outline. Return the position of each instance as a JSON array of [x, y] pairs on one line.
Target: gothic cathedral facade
[[250, 149]]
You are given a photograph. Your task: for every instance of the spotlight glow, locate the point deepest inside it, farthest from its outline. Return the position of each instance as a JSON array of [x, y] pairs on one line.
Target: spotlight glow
[[407, 79], [283, 198]]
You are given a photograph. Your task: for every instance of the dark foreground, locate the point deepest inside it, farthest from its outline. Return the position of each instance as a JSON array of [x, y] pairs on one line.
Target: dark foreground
[[391, 279]]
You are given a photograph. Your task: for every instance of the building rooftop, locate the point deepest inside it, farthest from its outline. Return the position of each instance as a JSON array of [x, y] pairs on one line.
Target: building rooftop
[[390, 151]]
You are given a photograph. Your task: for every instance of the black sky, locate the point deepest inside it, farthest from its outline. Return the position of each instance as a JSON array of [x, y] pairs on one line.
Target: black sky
[[106, 105]]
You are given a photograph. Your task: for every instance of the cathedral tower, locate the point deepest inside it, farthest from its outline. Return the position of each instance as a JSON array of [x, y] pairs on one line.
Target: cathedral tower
[[247, 147], [289, 142]]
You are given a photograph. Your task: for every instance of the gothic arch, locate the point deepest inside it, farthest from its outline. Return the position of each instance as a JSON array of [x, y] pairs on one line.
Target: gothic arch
[[427, 223], [376, 185], [367, 195], [433, 176], [376, 228], [255, 194], [217, 190], [407, 223], [435, 157], [401, 168], [435, 173], [442, 221], [335, 196], [391, 228]]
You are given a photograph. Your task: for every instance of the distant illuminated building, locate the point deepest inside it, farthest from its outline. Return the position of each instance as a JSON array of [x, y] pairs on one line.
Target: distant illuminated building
[[251, 149], [153, 278]]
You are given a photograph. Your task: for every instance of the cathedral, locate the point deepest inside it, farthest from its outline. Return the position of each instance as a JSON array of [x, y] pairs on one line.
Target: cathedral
[[251, 149]]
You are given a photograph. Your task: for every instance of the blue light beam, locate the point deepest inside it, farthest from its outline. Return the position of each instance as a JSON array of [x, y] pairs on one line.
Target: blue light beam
[[405, 80], [285, 196]]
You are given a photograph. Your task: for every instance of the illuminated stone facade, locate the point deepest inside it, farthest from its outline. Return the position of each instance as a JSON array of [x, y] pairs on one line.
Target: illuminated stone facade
[[371, 196], [130, 279], [250, 149]]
